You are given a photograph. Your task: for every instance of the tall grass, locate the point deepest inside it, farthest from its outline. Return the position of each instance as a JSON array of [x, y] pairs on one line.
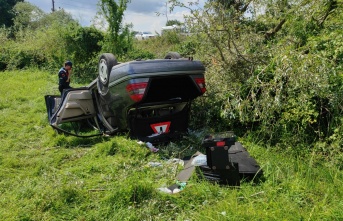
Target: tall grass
[[48, 176]]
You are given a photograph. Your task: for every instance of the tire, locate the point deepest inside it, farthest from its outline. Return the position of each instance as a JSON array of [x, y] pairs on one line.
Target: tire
[[106, 62], [172, 55]]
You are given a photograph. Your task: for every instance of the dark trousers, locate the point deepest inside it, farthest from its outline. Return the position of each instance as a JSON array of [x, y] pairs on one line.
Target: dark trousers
[[62, 87]]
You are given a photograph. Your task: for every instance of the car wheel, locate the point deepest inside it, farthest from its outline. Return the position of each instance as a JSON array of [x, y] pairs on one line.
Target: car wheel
[[106, 62], [172, 55]]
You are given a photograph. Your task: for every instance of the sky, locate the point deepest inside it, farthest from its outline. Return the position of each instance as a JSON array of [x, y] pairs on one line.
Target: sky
[[141, 13]]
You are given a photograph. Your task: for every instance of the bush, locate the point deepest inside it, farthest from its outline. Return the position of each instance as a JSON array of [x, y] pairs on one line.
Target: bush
[[172, 37], [83, 45], [138, 54], [283, 85]]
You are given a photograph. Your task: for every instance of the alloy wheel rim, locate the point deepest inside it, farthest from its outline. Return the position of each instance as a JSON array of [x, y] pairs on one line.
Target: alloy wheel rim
[[103, 71]]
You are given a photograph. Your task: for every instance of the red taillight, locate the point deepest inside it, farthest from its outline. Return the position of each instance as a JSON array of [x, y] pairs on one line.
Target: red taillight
[[201, 83], [136, 90]]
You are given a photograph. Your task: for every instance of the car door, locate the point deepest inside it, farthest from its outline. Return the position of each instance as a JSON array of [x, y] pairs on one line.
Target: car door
[[74, 112]]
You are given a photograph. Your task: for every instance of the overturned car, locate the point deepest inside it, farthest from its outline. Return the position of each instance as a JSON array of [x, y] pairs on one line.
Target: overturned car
[[150, 99]]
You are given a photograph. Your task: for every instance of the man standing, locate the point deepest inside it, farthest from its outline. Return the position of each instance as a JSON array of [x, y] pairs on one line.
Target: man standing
[[64, 75]]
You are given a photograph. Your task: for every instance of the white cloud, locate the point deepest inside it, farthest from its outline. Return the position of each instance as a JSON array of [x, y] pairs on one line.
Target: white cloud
[[84, 16], [143, 22], [145, 6], [141, 13]]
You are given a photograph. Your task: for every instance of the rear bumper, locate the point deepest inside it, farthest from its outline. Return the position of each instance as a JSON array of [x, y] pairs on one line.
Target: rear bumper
[[161, 138], [169, 121]]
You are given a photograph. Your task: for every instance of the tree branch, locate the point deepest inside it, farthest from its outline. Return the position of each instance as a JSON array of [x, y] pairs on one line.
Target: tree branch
[[271, 33], [245, 7], [332, 6]]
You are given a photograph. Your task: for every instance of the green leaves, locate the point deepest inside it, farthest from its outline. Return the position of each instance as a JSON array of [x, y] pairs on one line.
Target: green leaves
[[113, 12], [276, 72], [7, 15]]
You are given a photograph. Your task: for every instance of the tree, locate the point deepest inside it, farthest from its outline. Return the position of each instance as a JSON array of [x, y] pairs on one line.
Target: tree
[[60, 17], [83, 47], [32, 17], [116, 33], [6, 12], [27, 15], [273, 72], [239, 5]]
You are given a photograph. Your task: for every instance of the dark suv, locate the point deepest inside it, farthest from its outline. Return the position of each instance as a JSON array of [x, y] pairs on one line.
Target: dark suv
[[150, 99]]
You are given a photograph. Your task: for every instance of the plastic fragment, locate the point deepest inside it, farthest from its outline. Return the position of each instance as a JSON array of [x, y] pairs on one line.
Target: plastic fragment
[[200, 160], [176, 190], [151, 147], [140, 142], [155, 164], [181, 184], [165, 190]]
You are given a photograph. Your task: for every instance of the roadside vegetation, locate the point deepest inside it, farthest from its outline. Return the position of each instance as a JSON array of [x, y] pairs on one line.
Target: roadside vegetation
[[274, 76], [49, 176]]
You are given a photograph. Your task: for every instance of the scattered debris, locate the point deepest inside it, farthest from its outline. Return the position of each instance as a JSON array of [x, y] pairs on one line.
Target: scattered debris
[[140, 142], [154, 164], [175, 188], [200, 160], [151, 147], [176, 161], [225, 162], [165, 190]]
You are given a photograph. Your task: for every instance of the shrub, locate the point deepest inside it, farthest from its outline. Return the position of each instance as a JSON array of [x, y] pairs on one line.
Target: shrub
[[137, 54]]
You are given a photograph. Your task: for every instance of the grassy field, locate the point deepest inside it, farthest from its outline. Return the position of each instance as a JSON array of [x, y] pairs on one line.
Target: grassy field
[[48, 176]]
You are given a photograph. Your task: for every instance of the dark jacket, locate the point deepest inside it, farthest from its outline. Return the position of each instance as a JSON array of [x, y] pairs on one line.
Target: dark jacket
[[63, 77]]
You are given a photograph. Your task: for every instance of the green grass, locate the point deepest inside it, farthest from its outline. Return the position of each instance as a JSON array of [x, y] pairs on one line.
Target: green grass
[[48, 176]]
